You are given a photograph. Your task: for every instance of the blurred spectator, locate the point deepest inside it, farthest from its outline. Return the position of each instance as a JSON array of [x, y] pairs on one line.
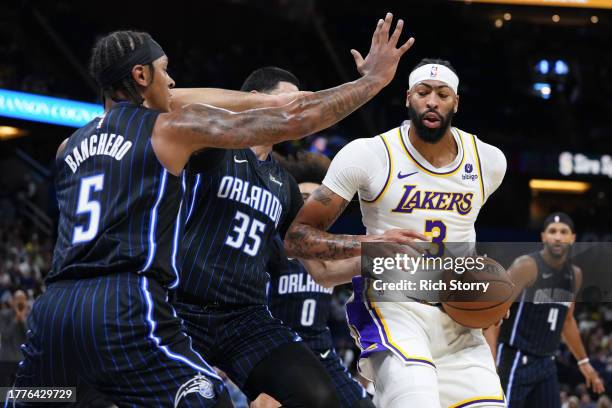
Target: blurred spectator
[[572, 402], [604, 402], [13, 329]]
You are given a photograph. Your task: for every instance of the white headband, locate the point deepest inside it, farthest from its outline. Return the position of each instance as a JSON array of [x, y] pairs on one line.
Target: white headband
[[434, 72]]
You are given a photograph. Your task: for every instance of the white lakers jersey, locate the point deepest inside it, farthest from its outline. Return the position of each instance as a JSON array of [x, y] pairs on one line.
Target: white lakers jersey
[[398, 188]]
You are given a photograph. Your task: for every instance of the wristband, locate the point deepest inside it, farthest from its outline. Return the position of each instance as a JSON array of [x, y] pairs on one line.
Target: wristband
[[584, 361]]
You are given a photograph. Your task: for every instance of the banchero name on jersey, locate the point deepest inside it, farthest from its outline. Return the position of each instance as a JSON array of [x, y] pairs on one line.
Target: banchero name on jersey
[[119, 207]]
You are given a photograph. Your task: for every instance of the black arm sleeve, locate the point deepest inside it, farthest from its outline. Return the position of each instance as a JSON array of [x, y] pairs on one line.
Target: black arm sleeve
[[295, 203]]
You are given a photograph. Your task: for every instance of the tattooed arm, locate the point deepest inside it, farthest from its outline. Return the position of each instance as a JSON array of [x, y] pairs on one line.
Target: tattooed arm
[[181, 132], [307, 237], [332, 273], [235, 101]]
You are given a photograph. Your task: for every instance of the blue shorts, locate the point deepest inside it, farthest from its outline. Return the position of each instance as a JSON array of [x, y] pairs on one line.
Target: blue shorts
[[118, 335], [527, 380], [235, 339]]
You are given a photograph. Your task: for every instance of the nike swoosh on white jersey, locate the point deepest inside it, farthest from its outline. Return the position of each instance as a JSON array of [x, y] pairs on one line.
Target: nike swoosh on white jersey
[[324, 355], [238, 160]]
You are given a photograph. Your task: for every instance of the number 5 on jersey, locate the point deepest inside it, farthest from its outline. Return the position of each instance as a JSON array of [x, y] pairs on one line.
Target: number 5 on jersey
[[236, 238], [86, 205]]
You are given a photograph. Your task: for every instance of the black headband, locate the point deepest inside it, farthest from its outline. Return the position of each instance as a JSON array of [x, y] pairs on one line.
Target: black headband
[[143, 54], [560, 217]]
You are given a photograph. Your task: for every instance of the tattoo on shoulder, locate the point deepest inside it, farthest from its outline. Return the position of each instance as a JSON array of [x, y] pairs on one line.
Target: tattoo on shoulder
[[323, 195]]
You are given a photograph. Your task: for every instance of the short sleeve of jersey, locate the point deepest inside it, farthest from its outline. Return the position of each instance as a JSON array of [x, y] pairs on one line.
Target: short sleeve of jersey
[[361, 166], [493, 164]]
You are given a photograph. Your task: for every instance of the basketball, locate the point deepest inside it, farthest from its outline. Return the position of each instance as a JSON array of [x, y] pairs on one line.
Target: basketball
[[472, 304]]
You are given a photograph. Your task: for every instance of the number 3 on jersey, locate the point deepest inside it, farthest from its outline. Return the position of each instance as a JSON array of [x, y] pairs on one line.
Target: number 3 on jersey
[[86, 205], [436, 230], [236, 238]]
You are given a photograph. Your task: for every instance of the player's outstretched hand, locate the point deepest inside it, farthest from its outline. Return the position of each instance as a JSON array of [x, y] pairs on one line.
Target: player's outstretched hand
[[592, 379], [383, 57]]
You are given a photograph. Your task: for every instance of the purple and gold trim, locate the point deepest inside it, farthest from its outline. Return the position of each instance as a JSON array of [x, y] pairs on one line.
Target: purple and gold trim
[[480, 400], [482, 191], [426, 170], [389, 174], [374, 334]]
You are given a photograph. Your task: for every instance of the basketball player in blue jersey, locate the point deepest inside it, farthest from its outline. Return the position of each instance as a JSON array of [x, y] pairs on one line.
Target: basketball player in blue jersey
[[525, 343], [104, 320], [300, 292], [240, 200]]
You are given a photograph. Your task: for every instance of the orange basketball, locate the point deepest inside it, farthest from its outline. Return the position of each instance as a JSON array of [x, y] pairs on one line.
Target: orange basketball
[[478, 297]]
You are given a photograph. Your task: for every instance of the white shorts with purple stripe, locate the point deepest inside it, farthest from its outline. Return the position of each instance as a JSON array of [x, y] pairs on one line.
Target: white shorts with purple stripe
[[422, 334]]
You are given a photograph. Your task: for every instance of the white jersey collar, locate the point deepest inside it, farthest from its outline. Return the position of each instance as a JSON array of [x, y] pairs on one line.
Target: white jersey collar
[[422, 161]]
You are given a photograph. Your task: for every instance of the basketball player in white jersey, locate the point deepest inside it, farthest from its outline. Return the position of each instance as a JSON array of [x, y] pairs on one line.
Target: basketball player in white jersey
[[429, 177]]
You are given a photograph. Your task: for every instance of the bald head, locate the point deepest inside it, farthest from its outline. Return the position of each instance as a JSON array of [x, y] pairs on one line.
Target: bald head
[[20, 295]]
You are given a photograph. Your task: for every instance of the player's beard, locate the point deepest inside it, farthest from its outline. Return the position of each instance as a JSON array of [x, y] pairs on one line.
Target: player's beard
[[559, 254], [429, 135]]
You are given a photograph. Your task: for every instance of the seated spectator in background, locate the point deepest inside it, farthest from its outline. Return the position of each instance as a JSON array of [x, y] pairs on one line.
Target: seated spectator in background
[[572, 402], [12, 336]]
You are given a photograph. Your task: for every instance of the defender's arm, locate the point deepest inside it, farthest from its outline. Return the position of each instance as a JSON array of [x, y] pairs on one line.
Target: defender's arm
[[235, 101], [193, 127], [571, 337]]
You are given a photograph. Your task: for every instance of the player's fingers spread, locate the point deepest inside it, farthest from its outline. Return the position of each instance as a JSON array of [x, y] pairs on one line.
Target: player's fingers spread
[[396, 33], [407, 45], [388, 19], [376, 36], [384, 31], [357, 56]]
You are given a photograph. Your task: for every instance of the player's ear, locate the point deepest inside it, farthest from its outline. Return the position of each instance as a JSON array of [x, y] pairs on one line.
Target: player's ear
[[408, 98], [542, 236], [573, 239], [141, 75], [456, 108]]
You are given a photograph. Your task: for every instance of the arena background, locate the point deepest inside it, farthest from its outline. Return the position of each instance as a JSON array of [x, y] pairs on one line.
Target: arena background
[[535, 81]]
